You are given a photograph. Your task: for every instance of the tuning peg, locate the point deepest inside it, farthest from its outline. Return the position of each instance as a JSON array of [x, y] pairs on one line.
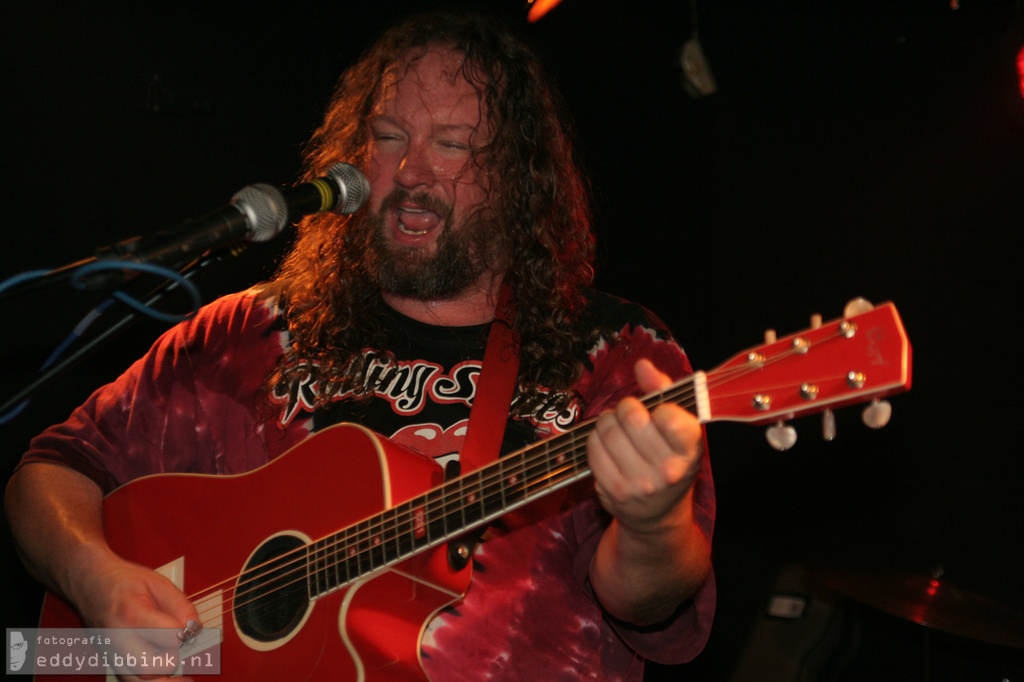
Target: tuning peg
[[857, 306], [781, 437], [877, 414], [828, 425]]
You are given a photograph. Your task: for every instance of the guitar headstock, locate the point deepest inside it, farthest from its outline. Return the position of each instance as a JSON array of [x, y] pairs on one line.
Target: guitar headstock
[[861, 357]]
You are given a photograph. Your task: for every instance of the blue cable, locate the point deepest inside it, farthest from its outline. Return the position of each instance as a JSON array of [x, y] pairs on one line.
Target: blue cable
[[176, 278]]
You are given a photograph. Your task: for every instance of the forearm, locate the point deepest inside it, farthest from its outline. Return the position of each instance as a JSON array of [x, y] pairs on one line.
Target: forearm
[[643, 576], [55, 516]]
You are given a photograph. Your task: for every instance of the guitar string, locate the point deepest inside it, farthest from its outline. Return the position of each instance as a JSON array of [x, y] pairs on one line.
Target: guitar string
[[302, 563], [391, 520], [361, 535], [355, 536]]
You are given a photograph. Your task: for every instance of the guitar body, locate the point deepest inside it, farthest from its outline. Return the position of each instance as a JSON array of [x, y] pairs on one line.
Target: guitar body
[[202, 531]]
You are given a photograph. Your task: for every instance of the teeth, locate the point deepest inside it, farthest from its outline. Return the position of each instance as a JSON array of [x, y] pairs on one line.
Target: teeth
[[405, 230], [409, 231]]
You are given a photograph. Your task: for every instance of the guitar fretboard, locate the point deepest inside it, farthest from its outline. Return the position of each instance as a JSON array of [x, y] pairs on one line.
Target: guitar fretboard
[[447, 511], [798, 374]]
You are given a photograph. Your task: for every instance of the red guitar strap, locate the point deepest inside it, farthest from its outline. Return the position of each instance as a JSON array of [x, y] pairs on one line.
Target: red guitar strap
[[495, 388]]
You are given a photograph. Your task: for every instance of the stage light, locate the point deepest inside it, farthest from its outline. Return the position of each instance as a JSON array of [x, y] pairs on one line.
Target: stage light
[[698, 81], [539, 8], [1020, 71]]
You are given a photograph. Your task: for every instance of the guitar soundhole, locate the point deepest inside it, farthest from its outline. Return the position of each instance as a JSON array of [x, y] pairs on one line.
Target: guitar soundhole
[[271, 597]]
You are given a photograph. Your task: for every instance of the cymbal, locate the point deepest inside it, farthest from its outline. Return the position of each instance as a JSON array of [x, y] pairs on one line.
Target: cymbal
[[933, 602]]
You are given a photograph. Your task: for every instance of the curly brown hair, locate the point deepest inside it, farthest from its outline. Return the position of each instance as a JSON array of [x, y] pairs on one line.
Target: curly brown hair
[[541, 202]]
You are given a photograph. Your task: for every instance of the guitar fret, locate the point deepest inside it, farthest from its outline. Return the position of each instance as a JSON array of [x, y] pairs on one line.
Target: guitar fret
[[451, 508], [419, 531], [419, 528], [441, 513], [384, 536], [311, 572], [513, 479], [436, 523], [329, 568], [472, 493], [535, 474], [400, 535], [374, 549], [317, 565], [318, 568], [500, 482], [333, 577], [549, 474], [361, 556], [349, 554], [390, 537], [492, 495], [456, 508]]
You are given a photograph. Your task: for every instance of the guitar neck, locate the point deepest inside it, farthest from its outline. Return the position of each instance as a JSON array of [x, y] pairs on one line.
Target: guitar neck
[[448, 511], [844, 361]]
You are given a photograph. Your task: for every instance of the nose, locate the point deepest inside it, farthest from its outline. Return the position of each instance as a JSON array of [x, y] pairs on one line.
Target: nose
[[415, 170]]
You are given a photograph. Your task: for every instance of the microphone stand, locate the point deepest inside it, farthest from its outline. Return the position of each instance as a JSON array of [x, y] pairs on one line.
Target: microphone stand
[[125, 251], [88, 347]]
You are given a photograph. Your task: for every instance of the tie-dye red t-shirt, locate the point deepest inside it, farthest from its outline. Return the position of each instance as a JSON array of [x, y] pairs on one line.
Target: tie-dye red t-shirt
[[196, 403]]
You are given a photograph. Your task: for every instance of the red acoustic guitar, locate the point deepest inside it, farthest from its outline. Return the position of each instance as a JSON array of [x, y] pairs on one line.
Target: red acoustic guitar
[[308, 576]]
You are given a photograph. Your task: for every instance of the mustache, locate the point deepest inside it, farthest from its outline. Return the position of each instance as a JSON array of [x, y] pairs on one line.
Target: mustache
[[422, 200]]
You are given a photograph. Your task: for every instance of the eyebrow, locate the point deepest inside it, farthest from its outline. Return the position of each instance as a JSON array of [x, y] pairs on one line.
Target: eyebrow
[[441, 127]]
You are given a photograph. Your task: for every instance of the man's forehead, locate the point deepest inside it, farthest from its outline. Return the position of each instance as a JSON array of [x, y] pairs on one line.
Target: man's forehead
[[436, 61], [432, 73]]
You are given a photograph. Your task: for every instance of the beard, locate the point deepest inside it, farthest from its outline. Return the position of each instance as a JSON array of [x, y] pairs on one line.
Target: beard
[[463, 253]]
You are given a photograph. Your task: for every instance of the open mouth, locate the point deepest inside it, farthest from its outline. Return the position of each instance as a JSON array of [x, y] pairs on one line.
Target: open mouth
[[416, 221]]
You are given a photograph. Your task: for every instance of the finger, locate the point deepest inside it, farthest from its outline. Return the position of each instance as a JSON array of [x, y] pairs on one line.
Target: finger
[[599, 444], [643, 446], [171, 600], [679, 429], [684, 437], [649, 378], [618, 469], [602, 467], [630, 439]]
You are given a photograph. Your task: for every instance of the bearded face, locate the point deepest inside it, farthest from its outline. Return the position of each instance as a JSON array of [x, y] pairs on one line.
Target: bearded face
[[463, 253], [428, 230]]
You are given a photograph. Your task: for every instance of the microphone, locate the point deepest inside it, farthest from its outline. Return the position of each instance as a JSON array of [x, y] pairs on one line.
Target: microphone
[[343, 190], [257, 213]]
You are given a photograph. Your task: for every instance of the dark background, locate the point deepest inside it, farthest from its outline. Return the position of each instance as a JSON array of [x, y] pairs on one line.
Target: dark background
[[854, 148]]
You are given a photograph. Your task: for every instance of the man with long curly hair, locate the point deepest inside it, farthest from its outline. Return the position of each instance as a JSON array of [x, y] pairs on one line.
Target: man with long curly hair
[[383, 319]]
